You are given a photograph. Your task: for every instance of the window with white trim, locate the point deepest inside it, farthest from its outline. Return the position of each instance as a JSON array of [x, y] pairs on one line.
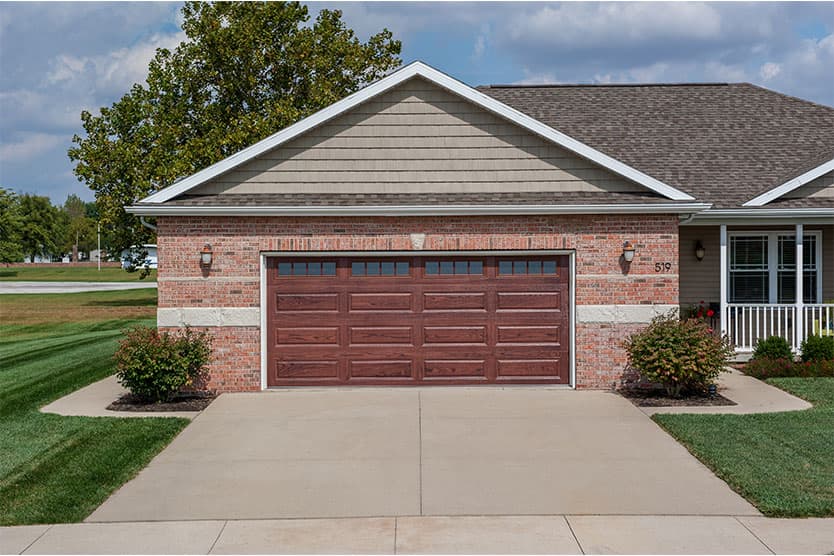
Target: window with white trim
[[762, 267]]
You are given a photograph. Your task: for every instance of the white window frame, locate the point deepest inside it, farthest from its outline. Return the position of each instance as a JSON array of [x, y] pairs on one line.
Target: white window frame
[[773, 261]]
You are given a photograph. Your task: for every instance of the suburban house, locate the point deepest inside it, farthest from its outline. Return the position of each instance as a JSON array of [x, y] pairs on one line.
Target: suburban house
[[151, 255], [422, 231]]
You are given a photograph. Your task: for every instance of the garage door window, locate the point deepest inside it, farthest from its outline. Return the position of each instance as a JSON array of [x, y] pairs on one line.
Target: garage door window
[[379, 268], [434, 268], [526, 266], [307, 268]]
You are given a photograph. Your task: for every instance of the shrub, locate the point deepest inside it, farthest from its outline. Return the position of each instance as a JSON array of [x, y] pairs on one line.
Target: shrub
[[683, 356], [773, 347], [818, 348], [154, 366], [772, 368]]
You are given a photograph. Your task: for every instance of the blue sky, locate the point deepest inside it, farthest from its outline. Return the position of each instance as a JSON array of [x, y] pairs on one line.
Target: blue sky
[[57, 59]]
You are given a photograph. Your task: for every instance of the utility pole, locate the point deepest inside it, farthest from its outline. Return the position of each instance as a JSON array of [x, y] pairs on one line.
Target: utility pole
[[98, 237]]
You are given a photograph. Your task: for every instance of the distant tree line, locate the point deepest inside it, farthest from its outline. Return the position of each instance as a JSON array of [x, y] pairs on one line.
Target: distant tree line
[[31, 226]]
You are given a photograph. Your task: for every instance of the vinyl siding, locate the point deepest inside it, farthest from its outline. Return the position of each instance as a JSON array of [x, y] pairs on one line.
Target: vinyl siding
[[822, 187], [700, 280], [417, 138]]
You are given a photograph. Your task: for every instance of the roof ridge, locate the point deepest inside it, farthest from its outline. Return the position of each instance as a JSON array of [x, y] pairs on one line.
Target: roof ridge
[[785, 95], [600, 85]]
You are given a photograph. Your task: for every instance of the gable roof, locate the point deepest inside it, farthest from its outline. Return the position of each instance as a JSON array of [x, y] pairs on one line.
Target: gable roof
[[442, 80], [731, 145]]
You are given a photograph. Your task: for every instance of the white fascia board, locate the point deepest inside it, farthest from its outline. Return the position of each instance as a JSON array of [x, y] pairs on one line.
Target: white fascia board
[[789, 186], [416, 210], [761, 216], [442, 80]]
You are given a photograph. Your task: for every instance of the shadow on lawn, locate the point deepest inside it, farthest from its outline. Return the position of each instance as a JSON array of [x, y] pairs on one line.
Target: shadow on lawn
[[132, 302], [7, 273]]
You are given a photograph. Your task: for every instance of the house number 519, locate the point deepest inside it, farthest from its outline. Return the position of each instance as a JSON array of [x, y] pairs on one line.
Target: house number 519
[[660, 267]]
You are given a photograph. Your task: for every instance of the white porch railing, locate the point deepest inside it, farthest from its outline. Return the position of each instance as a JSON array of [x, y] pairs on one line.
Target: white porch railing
[[748, 323]]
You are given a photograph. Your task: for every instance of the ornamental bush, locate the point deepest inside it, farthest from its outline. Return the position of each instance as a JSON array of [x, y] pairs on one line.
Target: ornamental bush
[[685, 356], [772, 368], [154, 366], [773, 347], [818, 348]]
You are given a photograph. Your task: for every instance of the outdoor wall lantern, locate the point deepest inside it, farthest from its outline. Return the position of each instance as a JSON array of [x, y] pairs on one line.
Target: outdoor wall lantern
[[700, 251], [205, 255], [628, 251]]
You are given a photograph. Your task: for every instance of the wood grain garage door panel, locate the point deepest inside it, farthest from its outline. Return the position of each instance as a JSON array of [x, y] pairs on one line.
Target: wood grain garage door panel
[[415, 320]]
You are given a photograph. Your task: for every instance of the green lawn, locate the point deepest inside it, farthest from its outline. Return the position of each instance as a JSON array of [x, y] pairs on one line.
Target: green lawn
[[64, 272], [54, 468], [783, 463]]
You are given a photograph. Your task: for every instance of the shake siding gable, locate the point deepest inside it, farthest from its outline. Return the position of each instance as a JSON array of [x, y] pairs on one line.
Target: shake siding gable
[[417, 138]]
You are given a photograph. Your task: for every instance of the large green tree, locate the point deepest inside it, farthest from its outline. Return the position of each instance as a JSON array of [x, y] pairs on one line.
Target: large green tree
[[80, 228], [10, 223], [42, 226], [245, 70]]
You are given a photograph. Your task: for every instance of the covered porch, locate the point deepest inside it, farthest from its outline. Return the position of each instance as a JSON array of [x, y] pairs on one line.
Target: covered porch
[[747, 273]]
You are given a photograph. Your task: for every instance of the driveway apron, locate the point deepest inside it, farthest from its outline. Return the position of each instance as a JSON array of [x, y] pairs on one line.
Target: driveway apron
[[376, 452]]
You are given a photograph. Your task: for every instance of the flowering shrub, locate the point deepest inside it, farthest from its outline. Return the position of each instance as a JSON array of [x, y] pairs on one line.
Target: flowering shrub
[[701, 312], [773, 347], [156, 366], [818, 348], [683, 356], [772, 368]]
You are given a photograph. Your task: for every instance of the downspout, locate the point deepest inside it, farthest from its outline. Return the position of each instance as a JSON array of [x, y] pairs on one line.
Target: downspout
[[147, 224], [689, 218]]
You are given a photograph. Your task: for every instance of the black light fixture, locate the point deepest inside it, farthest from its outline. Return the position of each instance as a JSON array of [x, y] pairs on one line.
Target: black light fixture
[[205, 255], [700, 251], [628, 251]]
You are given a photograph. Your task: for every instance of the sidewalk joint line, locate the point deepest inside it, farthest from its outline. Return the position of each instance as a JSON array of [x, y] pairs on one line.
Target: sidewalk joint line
[[396, 522], [420, 446], [45, 531], [218, 536], [754, 534], [572, 532]]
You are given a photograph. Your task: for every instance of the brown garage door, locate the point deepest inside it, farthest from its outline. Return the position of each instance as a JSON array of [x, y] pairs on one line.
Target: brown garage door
[[418, 320]]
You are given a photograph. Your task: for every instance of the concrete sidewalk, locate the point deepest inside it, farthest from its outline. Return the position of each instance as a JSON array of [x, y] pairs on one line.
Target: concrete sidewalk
[[552, 534], [71, 287]]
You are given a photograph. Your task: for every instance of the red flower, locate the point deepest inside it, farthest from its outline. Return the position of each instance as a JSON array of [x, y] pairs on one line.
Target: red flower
[[700, 314], [710, 313]]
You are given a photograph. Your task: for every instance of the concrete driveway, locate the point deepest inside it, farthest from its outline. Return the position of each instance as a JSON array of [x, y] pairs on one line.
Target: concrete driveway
[[71, 287], [410, 452]]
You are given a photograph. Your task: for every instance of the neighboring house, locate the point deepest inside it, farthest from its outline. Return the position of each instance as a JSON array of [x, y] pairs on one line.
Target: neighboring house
[[421, 231], [150, 259]]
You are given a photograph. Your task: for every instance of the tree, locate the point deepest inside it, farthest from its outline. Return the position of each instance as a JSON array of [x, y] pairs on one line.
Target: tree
[[42, 226], [80, 228], [10, 223], [245, 70]]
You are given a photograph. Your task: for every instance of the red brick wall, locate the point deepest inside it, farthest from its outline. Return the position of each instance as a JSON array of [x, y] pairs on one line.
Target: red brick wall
[[233, 280]]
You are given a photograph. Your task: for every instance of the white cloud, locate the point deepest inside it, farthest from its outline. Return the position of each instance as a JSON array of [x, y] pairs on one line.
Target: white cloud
[[577, 25], [29, 146], [537, 79], [769, 70], [110, 73]]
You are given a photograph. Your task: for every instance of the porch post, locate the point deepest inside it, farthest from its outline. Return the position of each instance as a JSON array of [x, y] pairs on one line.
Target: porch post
[[800, 267], [723, 262]]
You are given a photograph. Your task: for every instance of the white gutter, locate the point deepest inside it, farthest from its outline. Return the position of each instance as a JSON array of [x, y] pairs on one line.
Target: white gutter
[[416, 210], [767, 213]]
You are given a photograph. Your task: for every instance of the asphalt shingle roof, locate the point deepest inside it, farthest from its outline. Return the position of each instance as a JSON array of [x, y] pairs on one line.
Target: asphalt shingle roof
[[722, 143], [373, 199]]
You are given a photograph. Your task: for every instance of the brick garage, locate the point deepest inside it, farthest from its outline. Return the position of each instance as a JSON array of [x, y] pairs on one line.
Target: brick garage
[[602, 280]]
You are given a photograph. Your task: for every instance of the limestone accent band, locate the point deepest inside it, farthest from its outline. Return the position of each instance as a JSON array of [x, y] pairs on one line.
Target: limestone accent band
[[208, 316], [621, 314]]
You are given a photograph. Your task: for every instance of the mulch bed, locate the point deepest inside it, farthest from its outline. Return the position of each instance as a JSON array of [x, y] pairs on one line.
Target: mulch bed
[[646, 397], [192, 401]]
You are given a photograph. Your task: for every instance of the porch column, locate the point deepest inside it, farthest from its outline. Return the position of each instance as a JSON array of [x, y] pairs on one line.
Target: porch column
[[723, 262], [800, 267]]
